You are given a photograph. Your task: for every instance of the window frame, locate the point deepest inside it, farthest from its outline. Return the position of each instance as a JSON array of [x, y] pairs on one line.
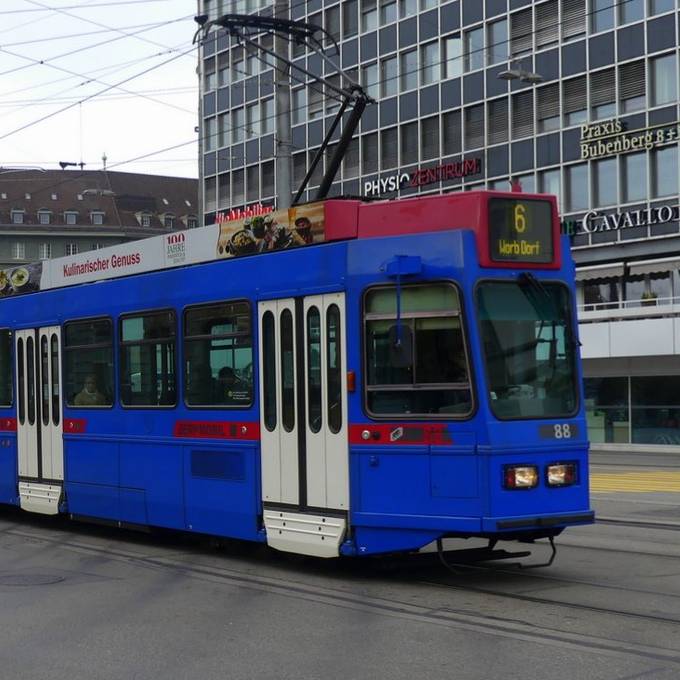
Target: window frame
[[254, 359], [120, 344], [466, 349], [65, 348], [12, 366]]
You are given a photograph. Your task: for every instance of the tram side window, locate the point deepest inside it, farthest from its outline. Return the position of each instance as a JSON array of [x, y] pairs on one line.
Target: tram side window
[[416, 361], [218, 354], [5, 367], [88, 363], [147, 359]]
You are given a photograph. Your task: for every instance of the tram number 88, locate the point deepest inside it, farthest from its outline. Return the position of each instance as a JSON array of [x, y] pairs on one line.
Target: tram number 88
[[559, 431]]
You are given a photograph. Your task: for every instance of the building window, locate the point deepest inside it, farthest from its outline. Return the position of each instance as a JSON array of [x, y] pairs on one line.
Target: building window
[[474, 49], [389, 148], [548, 107], [549, 183], [97, 218], [147, 359], [369, 15], [607, 410], [575, 101], [659, 6], [451, 133], [238, 188], [44, 251], [576, 186], [523, 114], [409, 142], [634, 177], [18, 250], [407, 8], [429, 63], [17, 216], [237, 125], [474, 127], [632, 86], [498, 121], [316, 101], [388, 11], [369, 153], [350, 24], [498, 41], [665, 172], [521, 33], [350, 162], [370, 80], [604, 182], [547, 26], [192, 222], [631, 10], [389, 85], [218, 355], [268, 188], [223, 69], [88, 363], [71, 217], [429, 138], [44, 216], [97, 246], [268, 116], [573, 18], [169, 221], [601, 15], [71, 248], [210, 134], [253, 120], [146, 220], [299, 106], [603, 94], [409, 70], [664, 77], [253, 183], [453, 57]]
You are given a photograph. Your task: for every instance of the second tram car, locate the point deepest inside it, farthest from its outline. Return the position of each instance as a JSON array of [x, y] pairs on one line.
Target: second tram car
[[409, 373]]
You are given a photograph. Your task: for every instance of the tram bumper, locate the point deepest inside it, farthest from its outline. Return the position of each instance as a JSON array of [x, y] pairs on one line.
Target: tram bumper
[[540, 522]]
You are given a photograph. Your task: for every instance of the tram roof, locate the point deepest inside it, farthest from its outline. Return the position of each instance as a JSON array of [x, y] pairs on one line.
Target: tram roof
[[307, 224]]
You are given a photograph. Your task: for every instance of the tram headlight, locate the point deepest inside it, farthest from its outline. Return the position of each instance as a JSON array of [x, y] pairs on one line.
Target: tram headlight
[[561, 474], [520, 476]]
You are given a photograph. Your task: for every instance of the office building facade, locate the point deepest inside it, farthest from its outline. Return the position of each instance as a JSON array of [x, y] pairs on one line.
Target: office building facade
[[573, 97]]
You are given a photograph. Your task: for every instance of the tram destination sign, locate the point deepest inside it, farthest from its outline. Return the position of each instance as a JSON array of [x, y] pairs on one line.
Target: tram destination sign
[[520, 230]]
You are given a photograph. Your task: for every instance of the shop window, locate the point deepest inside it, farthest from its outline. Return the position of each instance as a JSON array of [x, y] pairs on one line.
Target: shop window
[[601, 15], [218, 355], [607, 411], [604, 182], [601, 294], [664, 76], [88, 363], [389, 83], [147, 359], [665, 172], [474, 49], [655, 405], [634, 177]]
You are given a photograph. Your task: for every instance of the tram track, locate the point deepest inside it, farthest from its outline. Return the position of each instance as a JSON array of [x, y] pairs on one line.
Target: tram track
[[188, 562]]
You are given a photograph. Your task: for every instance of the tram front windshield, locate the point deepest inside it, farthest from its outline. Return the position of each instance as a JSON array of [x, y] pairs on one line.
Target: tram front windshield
[[528, 348]]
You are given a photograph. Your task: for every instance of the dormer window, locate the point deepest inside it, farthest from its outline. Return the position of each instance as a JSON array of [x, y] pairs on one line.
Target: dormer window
[[192, 222], [71, 217], [3, 196], [54, 197], [146, 220], [169, 221], [17, 216], [97, 217], [80, 197], [44, 216]]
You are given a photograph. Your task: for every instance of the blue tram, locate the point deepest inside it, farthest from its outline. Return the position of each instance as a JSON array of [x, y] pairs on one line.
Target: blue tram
[[410, 374]]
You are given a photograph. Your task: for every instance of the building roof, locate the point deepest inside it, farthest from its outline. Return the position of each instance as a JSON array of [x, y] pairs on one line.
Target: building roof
[[121, 197]]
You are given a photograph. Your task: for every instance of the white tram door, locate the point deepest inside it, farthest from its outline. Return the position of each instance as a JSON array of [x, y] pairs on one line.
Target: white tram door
[[39, 418], [303, 423]]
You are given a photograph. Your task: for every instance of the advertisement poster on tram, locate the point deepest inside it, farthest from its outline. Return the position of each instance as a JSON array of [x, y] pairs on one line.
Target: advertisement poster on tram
[[24, 279], [277, 230]]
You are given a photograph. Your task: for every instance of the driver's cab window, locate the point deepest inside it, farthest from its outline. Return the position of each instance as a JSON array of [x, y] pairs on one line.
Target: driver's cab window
[[415, 354], [218, 355], [88, 363]]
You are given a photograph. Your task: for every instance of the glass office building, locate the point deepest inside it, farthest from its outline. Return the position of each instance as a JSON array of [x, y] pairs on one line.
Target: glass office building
[[459, 106]]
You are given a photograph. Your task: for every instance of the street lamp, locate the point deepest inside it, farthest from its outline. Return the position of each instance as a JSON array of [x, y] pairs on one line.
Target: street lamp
[[516, 72]]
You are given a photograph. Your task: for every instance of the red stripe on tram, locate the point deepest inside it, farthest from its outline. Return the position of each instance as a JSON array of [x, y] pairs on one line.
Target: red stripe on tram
[[211, 429], [397, 433], [75, 425], [8, 424]]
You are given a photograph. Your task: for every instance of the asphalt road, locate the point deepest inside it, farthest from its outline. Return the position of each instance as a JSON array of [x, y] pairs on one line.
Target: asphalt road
[[83, 602]]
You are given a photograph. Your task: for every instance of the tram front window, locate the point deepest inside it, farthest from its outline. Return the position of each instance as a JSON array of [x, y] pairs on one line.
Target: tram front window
[[528, 348]]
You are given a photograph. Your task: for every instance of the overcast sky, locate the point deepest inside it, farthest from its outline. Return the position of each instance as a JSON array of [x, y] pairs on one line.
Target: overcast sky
[[74, 66]]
